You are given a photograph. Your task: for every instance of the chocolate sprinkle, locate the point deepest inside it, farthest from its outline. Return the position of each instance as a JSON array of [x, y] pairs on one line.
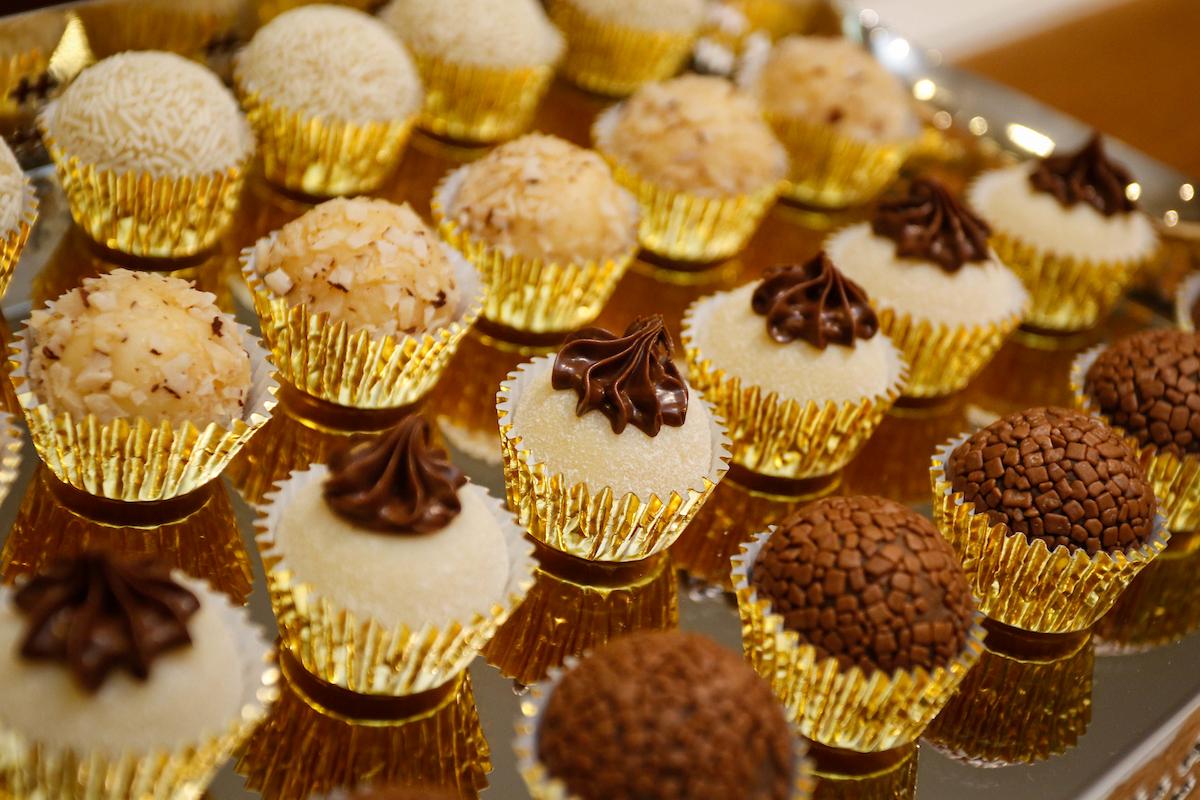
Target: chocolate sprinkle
[[1086, 176], [666, 716], [1148, 384], [814, 302], [869, 582], [1058, 476], [928, 223]]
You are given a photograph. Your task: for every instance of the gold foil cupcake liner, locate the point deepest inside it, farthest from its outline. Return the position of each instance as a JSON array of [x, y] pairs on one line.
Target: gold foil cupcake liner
[[846, 709], [478, 104], [187, 27], [301, 751], [829, 170], [33, 770], [370, 656], [1186, 298], [1160, 606], [1026, 585], [136, 459], [544, 786], [51, 49], [285, 445], [1175, 477], [323, 157], [778, 437], [10, 453], [529, 294], [846, 775], [583, 520], [684, 227], [144, 215], [612, 59], [358, 369], [12, 242]]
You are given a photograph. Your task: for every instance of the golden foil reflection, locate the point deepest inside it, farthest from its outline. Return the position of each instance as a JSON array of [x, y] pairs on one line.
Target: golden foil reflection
[[1160, 606], [846, 775]]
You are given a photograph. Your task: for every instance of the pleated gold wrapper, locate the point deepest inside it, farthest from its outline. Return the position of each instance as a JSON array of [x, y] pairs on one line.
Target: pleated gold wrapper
[[187, 27], [145, 215], [1018, 708], [369, 656], [12, 242], [586, 521], [1160, 606], [286, 444], [323, 157], [135, 460], [613, 59], [29, 769], [778, 437], [1175, 477], [478, 104], [864, 776], [327, 360], [524, 293], [778, 18], [846, 709], [10, 453], [829, 170], [1026, 585], [681, 226], [300, 751], [205, 543], [544, 786]]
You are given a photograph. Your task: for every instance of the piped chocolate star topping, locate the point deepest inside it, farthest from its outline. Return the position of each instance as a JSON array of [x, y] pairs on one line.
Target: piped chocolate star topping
[[1086, 176], [928, 223], [814, 302]]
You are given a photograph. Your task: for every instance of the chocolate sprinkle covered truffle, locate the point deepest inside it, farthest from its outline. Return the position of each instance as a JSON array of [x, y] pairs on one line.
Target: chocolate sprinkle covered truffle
[[1059, 476], [666, 716], [869, 582], [1148, 384]]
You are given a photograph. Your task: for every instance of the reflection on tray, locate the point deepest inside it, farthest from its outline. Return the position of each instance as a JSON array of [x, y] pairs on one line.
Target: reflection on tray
[[844, 775], [1161, 606]]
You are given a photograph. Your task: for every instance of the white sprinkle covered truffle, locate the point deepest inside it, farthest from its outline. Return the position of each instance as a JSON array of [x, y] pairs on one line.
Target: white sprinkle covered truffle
[[647, 15], [494, 33], [372, 264], [12, 190], [138, 344]]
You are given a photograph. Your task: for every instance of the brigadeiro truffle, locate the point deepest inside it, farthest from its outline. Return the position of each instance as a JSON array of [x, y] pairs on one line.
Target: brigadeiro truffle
[[18, 211], [1147, 386], [664, 716]]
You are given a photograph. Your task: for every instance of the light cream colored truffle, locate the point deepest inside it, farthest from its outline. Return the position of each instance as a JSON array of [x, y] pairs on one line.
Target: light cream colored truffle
[[491, 33], [43, 702], [694, 134], [728, 332], [130, 344], [1010, 204], [150, 112], [833, 81], [12, 190], [586, 449], [396, 579], [543, 197], [647, 15], [333, 62], [976, 294], [372, 264]]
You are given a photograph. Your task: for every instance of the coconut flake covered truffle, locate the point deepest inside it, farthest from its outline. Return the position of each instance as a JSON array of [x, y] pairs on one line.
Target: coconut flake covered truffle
[[351, 66], [833, 81], [494, 33], [647, 15], [543, 197], [151, 112], [136, 344], [12, 189], [694, 134], [369, 263]]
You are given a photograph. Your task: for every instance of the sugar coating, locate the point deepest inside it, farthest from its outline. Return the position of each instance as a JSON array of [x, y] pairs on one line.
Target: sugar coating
[[695, 134], [735, 339], [978, 293], [1010, 204], [150, 112], [585, 449], [131, 344], [543, 197], [396, 579], [833, 81], [12, 189], [646, 15], [492, 33], [43, 702], [350, 67], [372, 264]]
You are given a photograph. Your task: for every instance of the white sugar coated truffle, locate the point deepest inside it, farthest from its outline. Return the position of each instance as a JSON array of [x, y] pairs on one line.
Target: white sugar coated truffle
[[12, 190], [493, 33], [647, 15]]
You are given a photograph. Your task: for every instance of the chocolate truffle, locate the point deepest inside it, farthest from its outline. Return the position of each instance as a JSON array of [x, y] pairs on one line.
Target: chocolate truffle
[[1057, 476], [139, 344], [369, 263], [488, 33], [1148, 384], [666, 716], [150, 112], [869, 582], [351, 67], [542, 197], [12, 190]]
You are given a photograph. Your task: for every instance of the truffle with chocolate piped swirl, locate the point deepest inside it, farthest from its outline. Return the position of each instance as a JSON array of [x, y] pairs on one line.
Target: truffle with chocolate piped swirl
[[814, 302]]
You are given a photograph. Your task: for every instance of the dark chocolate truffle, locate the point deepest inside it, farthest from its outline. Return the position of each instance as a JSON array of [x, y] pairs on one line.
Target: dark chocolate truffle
[[1148, 384], [667, 716], [869, 582], [1059, 476]]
